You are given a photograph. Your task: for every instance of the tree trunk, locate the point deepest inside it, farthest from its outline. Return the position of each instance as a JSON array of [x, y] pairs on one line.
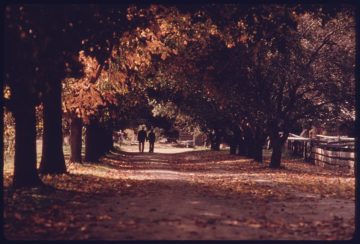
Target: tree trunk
[[76, 139], [215, 142], [2, 136], [259, 140], [25, 173], [233, 148], [251, 148], [248, 142], [242, 147], [110, 140], [93, 142], [276, 154], [107, 143], [215, 146], [102, 141], [258, 152], [277, 143], [52, 160]]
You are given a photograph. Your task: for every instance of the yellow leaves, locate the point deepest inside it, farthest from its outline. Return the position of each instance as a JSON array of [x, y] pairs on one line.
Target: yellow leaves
[[82, 97], [255, 225], [157, 47], [213, 30], [243, 38], [230, 44], [103, 217], [91, 65], [143, 33], [154, 45], [241, 24], [118, 77], [232, 222], [164, 27], [163, 56], [7, 92]]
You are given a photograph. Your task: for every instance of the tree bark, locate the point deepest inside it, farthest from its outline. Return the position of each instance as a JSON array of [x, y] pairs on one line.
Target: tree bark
[[276, 153], [242, 147], [76, 139], [52, 160], [110, 140], [215, 141], [107, 143], [251, 147], [258, 152], [259, 140], [232, 148], [277, 143], [215, 146], [232, 140], [2, 136], [248, 142], [93, 142], [25, 173]]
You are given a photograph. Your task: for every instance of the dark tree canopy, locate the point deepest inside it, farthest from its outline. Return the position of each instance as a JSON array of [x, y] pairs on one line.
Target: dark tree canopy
[[241, 70]]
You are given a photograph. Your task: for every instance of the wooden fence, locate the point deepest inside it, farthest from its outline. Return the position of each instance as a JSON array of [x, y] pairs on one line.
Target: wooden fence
[[326, 151]]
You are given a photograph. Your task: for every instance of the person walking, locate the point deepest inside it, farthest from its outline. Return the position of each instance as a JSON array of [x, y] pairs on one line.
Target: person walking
[[151, 138], [141, 139]]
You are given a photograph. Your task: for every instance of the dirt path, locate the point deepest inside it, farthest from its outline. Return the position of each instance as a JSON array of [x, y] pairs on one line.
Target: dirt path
[[172, 206], [173, 210], [195, 195]]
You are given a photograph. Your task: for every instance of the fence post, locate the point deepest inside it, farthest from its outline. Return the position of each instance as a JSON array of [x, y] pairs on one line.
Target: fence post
[[311, 157]]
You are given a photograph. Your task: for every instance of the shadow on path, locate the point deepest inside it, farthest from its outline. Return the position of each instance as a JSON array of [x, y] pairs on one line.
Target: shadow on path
[[199, 195]]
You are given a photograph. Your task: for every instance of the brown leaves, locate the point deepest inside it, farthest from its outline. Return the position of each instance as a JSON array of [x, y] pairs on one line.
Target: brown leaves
[[127, 190], [103, 217], [243, 38], [83, 97], [163, 56]]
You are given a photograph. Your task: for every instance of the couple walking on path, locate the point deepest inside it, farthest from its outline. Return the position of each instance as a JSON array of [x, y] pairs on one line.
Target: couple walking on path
[[142, 137]]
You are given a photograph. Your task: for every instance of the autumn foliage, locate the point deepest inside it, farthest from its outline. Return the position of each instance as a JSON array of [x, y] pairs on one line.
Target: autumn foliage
[[239, 74]]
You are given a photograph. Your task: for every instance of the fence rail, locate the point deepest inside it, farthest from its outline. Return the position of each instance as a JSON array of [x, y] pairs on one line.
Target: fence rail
[[326, 151], [333, 159]]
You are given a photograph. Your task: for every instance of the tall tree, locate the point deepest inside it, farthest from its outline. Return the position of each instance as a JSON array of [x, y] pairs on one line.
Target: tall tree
[[279, 77], [20, 75]]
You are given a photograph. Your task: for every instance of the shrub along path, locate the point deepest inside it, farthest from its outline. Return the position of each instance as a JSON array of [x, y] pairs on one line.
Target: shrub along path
[[193, 195]]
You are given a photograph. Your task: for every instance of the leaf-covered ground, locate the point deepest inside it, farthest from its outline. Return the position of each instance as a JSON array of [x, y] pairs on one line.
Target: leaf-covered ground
[[183, 195]]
